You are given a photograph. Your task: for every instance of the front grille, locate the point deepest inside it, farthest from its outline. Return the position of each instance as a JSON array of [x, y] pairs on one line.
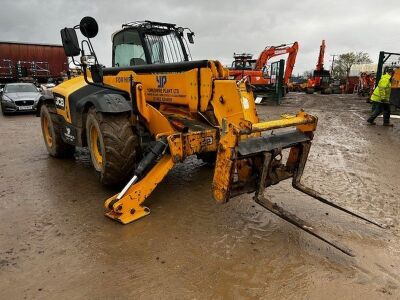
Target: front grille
[[24, 102]]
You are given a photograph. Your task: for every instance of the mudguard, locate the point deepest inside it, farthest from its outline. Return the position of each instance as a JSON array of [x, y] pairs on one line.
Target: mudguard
[[105, 101], [43, 99]]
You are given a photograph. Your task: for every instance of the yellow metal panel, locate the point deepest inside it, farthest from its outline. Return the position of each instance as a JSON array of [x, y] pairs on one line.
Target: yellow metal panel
[[66, 89], [231, 105], [396, 79], [184, 145], [179, 88], [300, 119], [224, 166], [129, 207], [206, 82], [121, 80], [248, 104], [157, 122]]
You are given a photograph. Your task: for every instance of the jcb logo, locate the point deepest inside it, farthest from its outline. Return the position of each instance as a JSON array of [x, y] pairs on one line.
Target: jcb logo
[[208, 140], [161, 81], [59, 102]]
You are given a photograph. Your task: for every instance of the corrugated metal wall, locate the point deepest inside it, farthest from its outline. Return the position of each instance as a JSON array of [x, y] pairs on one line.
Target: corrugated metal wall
[[53, 54]]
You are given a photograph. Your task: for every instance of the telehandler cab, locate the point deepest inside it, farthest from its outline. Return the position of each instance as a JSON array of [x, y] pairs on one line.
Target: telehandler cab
[[155, 107]]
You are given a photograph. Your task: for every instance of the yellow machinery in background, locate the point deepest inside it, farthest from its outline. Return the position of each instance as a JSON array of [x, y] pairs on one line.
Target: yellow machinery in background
[[155, 107]]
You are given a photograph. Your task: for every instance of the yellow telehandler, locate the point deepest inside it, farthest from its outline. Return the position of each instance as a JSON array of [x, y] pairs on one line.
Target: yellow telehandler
[[155, 107]]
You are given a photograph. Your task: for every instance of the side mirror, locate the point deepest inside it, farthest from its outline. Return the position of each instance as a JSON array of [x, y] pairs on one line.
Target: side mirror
[[190, 37], [70, 42], [89, 27]]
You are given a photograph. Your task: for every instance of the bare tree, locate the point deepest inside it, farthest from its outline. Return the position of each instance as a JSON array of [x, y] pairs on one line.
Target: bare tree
[[343, 64], [307, 74]]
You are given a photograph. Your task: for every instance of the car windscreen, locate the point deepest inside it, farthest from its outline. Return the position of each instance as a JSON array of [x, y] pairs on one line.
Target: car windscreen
[[20, 88]]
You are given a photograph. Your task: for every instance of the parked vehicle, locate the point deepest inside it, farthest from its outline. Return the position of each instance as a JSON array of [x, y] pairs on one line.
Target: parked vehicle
[[16, 97], [321, 79]]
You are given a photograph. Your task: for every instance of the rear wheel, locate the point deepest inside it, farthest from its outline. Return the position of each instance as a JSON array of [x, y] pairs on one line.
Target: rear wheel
[[52, 135], [114, 147]]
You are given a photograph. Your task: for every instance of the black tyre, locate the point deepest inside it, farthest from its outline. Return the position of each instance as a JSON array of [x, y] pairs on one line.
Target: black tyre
[[114, 147], [52, 135]]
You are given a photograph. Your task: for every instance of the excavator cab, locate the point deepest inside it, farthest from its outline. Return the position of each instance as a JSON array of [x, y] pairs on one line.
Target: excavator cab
[[243, 61], [147, 42]]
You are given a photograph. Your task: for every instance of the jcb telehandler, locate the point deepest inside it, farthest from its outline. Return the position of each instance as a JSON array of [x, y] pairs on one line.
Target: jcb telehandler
[[155, 107]]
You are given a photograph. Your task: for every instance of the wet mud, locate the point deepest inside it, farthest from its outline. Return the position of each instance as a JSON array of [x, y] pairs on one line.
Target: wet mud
[[56, 243]]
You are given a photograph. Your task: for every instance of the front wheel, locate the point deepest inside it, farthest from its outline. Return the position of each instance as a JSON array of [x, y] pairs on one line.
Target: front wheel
[[52, 135], [113, 146]]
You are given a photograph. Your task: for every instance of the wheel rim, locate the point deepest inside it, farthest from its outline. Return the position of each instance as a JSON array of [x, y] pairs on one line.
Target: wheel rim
[[47, 132], [95, 147]]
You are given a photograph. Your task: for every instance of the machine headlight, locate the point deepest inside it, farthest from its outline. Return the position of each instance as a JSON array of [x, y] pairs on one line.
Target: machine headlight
[[6, 98], [38, 97]]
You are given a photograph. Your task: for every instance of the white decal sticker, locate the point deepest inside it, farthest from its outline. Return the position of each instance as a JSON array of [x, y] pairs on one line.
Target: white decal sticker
[[68, 134], [245, 103], [208, 140]]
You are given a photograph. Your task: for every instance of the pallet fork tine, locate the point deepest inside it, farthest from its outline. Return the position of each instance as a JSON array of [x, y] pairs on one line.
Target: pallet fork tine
[[291, 218], [305, 149]]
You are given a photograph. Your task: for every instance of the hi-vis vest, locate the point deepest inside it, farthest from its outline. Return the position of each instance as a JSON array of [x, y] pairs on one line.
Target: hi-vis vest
[[382, 91]]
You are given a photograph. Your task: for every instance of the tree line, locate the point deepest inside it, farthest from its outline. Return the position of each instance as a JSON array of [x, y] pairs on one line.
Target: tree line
[[344, 62]]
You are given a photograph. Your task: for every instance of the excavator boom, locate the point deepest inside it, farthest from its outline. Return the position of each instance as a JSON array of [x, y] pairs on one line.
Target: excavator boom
[[321, 77], [254, 70], [321, 56]]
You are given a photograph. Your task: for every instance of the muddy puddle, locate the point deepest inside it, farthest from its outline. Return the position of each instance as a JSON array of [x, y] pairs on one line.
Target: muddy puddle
[[56, 243]]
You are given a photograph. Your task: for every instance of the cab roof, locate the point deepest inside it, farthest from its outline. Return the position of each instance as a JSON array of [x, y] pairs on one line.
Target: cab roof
[[148, 25]]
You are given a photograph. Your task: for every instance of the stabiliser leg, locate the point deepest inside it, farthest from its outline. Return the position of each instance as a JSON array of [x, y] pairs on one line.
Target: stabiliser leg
[[129, 207], [305, 149], [291, 218]]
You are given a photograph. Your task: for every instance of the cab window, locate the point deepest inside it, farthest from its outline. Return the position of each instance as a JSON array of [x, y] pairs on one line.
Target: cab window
[[128, 49]]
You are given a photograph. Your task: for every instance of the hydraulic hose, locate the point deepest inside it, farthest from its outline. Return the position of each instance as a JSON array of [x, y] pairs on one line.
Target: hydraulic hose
[[155, 152]]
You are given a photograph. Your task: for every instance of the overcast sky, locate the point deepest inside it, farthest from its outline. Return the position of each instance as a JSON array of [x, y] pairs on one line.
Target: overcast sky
[[222, 27]]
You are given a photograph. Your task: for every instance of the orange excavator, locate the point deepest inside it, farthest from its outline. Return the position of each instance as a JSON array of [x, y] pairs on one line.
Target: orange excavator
[[321, 77], [366, 83], [257, 71]]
